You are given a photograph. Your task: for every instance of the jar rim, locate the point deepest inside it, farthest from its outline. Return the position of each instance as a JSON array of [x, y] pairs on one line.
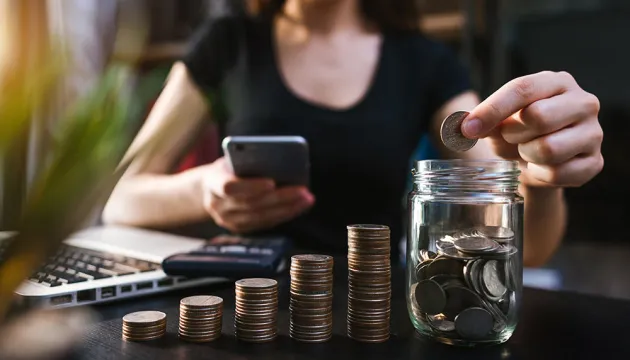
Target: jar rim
[[463, 175], [432, 164]]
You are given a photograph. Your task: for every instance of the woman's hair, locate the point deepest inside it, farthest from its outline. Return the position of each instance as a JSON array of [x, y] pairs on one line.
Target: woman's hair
[[399, 15]]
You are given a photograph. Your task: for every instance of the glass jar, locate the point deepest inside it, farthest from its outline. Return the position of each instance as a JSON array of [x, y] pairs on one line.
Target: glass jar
[[464, 250]]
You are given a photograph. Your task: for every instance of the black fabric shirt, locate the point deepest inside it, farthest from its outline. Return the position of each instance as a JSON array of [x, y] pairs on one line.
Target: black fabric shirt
[[360, 156]]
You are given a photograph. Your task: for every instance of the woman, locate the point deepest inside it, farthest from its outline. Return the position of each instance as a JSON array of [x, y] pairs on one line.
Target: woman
[[362, 85]]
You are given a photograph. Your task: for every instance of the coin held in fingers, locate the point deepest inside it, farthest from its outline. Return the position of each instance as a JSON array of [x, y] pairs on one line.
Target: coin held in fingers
[[451, 133]]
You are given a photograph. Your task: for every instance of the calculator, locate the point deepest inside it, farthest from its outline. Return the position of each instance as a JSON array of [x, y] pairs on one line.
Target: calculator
[[232, 256]]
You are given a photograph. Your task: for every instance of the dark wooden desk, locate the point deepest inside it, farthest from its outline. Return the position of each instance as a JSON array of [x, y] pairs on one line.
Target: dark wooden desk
[[554, 325]]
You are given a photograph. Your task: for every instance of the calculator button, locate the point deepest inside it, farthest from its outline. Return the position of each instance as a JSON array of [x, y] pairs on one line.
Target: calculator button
[[211, 249], [234, 249]]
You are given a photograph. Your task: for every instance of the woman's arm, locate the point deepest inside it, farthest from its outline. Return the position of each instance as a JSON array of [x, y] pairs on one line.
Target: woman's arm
[[146, 195], [545, 209]]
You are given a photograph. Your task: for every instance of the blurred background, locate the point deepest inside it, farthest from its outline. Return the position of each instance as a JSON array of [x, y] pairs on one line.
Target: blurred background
[[497, 39]]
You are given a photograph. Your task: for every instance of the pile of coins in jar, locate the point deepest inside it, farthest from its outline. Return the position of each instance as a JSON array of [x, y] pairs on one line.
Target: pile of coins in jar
[[310, 295], [466, 290]]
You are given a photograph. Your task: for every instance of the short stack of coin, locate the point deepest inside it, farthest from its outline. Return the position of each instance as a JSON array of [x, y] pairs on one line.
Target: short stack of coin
[[200, 318], [144, 326], [255, 318], [369, 283], [311, 298]]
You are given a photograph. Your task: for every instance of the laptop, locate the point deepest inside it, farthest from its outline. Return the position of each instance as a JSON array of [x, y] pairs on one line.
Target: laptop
[[104, 264]]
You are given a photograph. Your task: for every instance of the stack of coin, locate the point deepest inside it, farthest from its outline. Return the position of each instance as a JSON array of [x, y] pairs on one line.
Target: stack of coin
[[200, 318], [311, 298], [369, 283], [144, 326], [255, 318], [466, 289]]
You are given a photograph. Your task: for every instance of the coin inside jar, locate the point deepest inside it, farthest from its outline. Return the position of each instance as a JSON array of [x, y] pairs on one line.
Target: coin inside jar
[[451, 133], [430, 297], [475, 245], [474, 323]]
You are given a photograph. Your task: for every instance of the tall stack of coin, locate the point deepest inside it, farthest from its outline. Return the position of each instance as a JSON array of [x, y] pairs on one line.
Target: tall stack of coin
[[200, 318], [369, 283], [144, 326], [311, 298], [255, 318]]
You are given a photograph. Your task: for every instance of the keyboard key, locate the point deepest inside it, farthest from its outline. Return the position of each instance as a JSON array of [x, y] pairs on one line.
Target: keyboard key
[[95, 274], [124, 268], [143, 266], [85, 276], [61, 275]]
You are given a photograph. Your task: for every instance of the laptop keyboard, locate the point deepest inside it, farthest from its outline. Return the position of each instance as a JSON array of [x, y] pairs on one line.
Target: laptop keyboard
[[73, 265]]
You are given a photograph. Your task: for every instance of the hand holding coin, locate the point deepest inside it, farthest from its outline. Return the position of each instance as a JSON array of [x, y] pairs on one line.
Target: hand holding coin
[[546, 121]]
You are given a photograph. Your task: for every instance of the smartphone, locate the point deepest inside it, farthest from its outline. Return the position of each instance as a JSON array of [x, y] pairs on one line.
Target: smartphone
[[285, 159]]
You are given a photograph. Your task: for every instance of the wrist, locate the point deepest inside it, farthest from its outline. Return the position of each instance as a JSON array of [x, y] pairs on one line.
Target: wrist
[[192, 180], [542, 192]]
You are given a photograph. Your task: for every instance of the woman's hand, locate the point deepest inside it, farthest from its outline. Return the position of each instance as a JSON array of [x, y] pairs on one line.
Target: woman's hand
[[546, 121], [246, 205]]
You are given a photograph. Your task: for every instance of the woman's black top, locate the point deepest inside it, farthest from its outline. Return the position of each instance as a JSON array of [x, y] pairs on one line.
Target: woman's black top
[[360, 156]]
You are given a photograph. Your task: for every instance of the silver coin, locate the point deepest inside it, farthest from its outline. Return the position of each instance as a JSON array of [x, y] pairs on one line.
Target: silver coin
[[467, 273], [421, 270], [451, 133], [475, 274], [430, 297], [494, 310], [492, 282], [499, 326], [441, 245], [427, 255], [453, 282], [453, 253], [459, 299], [475, 244], [441, 323], [474, 323], [496, 232], [445, 266], [447, 280]]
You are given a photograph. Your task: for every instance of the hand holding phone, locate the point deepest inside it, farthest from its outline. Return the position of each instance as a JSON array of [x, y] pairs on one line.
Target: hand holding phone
[[244, 205]]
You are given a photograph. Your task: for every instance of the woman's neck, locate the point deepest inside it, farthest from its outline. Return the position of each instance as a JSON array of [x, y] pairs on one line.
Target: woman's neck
[[325, 16]]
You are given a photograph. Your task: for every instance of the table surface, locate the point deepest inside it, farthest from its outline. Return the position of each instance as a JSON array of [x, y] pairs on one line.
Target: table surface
[[553, 325]]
